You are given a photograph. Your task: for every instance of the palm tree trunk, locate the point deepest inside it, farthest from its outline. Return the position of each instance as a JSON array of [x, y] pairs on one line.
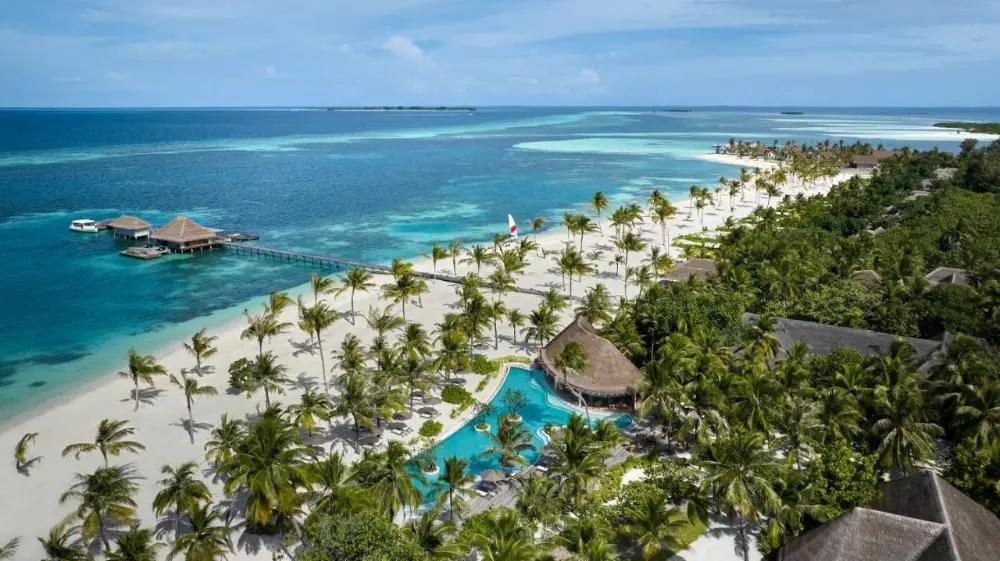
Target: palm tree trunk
[[104, 453], [496, 335], [104, 535], [515, 334], [136, 395], [352, 308], [571, 285], [322, 362], [190, 421], [581, 241], [404, 308], [177, 524], [267, 396], [197, 365]]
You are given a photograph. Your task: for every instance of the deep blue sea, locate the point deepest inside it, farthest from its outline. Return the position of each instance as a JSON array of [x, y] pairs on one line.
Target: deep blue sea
[[359, 185]]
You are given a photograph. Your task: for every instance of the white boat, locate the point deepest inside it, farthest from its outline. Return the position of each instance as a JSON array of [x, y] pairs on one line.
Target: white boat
[[85, 225]]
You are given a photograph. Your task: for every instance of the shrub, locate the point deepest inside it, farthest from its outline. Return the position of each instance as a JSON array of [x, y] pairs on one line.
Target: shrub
[[431, 428], [483, 365], [239, 375], [456, 395], [482, 426], [514, 400], [360, 536]]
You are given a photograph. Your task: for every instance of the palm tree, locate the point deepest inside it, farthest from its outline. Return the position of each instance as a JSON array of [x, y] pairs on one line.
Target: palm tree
[[905, 436], [21, 462], [662, 213], [268, 467], [598, 550], [537, 223], [799, 428], [207, 540], [479, 255], [277, 302], [455, 480], [351, 356], [383, 320], [415, 374], [476, 317], [225, 437], [390, 476], [454, 251], [413, 340], [182, 491], [584, 226], [655, 525], [61, 545], [453, 355], [629, 243], [356, 279], [10, 549], [510, 441], [436, 254], [542, 323], [191, 389], [572, 357], [321, 285], [110, 439], [554, 301], [201, 348], [433, 535], [595, 305], [515, 319], [539, 499], [266, 374], [599, 203], [399, 267], [496, 311], [262, 327], [106, 499], [740, 476], [317, 318], [578, 459], [332, 492], [136, 544], [355, 400], [500, 283], [499, 239], [979, 414], [312, 406], [503, 537], [141, 368], [400, 291], [642, 276]]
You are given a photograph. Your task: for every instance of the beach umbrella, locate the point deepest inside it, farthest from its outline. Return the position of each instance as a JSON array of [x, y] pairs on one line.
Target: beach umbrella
[[493, 476], [428, 411], [417, 393], [396, 425], [374, 430], [402, 415], [432, 400]]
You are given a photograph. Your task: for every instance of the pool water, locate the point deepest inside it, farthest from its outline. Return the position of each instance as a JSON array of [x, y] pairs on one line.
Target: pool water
[[543, 407]]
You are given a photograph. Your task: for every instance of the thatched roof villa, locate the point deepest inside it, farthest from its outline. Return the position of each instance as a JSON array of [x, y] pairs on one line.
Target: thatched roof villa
[[183, 234], [700, 268], [130, 227], [917, 518], [610, 378]]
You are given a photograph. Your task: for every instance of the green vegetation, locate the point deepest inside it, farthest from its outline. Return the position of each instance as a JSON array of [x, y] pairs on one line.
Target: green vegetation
[[430, 428], [456, 395], [969, 126]]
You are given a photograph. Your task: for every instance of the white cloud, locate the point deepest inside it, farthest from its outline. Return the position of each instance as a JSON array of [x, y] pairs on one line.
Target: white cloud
[[588, 77], [271, 72], [114, 75], [404, 47]]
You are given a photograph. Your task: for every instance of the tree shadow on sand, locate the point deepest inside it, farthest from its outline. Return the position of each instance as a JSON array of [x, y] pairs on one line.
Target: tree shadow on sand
[[24, 468], [147, 396], [166, 526], [192, 428], [305, 382], [307, 347]]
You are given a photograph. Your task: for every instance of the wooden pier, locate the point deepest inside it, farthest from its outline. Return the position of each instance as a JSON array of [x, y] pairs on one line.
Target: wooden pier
[[338, 264]]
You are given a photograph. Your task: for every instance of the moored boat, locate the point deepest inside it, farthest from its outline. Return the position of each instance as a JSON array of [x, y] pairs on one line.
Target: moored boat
[[84, 225]]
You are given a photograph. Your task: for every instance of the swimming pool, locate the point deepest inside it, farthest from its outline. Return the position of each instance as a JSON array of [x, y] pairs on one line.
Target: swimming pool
[[543, 407]]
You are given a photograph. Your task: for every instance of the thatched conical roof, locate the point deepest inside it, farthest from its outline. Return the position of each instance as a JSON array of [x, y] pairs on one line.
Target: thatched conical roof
[[125, 222], [608, 371], [183, 230]]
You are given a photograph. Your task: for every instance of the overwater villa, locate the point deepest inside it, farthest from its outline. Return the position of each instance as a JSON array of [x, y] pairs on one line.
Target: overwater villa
[[130, 227], [183, 234], [609, 380]]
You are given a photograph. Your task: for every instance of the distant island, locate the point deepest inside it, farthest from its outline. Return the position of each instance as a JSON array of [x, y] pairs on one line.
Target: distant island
[[396, 108], [675, 111], [968, 126], [792, 113]]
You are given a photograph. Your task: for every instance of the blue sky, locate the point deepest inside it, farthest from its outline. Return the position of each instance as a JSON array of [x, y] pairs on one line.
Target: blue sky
[[499, 52]]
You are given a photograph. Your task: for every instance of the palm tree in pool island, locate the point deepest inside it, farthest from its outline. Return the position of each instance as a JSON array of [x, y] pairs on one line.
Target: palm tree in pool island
[[142, 368], [355, 280], [201, 348], [191, 389], [182, 491], [510, 441], [111, 439]]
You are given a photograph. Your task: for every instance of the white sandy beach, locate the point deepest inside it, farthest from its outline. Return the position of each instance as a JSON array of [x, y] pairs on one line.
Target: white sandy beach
[[159, 423]]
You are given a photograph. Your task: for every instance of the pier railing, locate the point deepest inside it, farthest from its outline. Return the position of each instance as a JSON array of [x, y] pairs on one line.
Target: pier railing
[[339, 264]]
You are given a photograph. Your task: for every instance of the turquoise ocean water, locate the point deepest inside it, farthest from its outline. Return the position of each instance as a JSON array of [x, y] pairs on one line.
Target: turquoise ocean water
[[359, 185]]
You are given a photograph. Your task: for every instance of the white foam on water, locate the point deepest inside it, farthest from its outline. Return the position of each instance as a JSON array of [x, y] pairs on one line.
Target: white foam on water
[[615, 146], [894, 133]]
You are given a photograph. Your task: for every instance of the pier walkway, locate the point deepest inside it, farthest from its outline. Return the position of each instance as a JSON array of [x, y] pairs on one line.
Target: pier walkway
[[339, 264]]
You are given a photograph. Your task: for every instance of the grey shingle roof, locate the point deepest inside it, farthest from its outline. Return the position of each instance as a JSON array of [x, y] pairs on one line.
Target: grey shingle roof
[[948, 275], [917, 518], [697, 267]]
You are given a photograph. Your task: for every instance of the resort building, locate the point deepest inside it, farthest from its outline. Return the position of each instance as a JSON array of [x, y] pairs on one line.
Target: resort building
[[948, 275], [823, 339], [869, 161], [867, 276], [700, 268], [130, 227], [609, 380], [183, 234], [916, 518]]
